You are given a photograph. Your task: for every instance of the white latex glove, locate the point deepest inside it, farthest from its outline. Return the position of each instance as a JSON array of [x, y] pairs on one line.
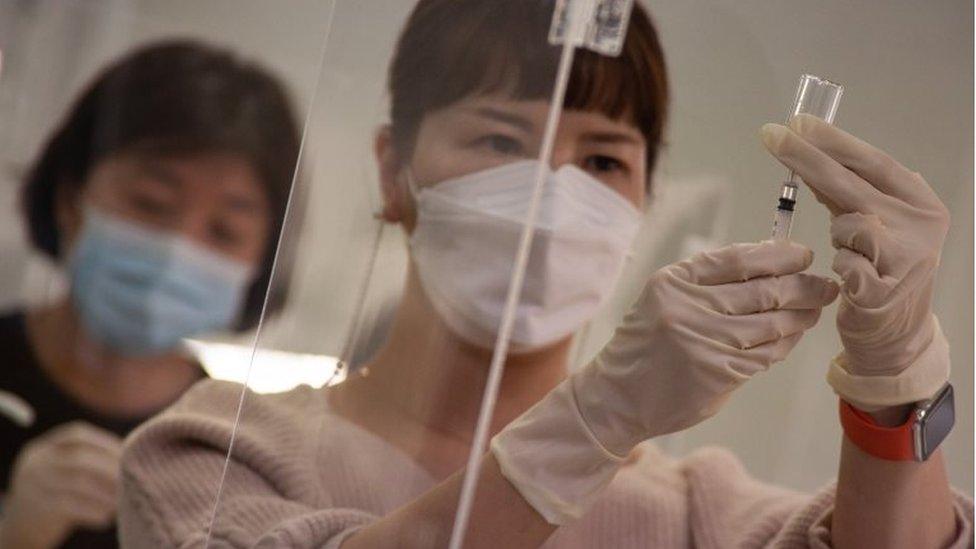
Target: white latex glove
[[62, 480], [700, 329], [888, 226]]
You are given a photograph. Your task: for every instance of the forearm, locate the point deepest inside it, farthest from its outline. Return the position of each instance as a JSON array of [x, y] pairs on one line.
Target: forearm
[[500, 517], [891, 504]]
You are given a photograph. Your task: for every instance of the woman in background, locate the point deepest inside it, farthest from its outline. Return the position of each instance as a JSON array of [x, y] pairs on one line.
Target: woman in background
[[161, 195]]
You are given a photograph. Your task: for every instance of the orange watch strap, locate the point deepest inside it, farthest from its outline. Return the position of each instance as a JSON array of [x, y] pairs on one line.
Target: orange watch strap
[[891, 443]]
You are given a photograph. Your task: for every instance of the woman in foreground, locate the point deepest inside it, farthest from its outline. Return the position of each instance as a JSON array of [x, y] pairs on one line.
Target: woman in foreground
[[378, 460]]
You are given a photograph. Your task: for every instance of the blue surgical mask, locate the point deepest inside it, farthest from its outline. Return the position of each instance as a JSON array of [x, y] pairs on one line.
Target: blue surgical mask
[[139, 291]]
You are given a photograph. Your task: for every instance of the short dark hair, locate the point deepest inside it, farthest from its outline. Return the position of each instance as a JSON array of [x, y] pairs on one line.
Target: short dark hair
[[451, 49], [173, 97]]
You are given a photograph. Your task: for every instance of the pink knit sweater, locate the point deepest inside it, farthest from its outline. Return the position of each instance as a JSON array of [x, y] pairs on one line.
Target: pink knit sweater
[[304, 477]]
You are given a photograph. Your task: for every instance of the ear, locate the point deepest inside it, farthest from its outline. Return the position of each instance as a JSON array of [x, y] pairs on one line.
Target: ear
[[67, 215], [392, 188]]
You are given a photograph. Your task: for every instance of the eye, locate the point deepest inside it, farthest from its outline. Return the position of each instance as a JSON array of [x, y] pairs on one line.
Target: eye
[[501, 144], [602, 163], [151, 205], [225, 235]]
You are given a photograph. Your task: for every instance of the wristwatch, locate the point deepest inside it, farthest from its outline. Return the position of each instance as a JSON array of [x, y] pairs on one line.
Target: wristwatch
[[915, 440]]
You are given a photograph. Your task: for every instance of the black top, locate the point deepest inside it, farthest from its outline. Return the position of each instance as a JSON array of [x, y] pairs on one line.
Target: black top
[[21, 375]]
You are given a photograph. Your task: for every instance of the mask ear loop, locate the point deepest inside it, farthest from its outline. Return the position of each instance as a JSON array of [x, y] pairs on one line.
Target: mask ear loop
[[412, 184], [355, 329]]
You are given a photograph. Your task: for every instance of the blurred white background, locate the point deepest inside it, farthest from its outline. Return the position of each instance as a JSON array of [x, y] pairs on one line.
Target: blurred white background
[[907, 67]]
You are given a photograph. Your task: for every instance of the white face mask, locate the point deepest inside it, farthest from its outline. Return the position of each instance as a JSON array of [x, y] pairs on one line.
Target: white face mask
[[466, 239]]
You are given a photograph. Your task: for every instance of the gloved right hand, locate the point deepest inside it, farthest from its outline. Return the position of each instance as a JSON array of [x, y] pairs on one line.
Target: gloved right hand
[[62, 480], [888, 226], [700, 329]]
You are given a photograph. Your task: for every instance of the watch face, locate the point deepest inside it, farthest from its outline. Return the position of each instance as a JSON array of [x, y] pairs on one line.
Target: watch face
[[938, 422]]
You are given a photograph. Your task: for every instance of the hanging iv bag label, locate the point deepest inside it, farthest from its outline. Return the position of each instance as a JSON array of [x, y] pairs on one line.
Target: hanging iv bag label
[[602, 27]]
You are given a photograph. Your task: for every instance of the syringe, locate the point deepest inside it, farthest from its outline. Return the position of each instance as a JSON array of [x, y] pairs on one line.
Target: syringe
[[819, 97]]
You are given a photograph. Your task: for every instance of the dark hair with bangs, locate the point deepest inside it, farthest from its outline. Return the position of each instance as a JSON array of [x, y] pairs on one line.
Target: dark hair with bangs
[[451, 49], [173, 98]]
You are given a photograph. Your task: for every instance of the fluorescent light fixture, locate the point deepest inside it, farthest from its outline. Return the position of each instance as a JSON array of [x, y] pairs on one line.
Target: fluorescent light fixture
[[272, 372]]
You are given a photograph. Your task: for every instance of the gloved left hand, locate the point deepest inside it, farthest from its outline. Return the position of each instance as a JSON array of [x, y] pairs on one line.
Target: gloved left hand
[[701, 328], [888, 227]]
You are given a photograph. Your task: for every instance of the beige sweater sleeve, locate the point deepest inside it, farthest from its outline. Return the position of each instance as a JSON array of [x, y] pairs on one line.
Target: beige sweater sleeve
[[171, 470], [730, 508], [301, 478]]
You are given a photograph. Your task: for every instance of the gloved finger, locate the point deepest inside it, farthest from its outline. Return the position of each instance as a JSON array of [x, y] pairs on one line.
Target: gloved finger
[[870, 163], [833, 208], [794, 291], [864, 234], [95, 519], [821, 172], [82, 510], [744, 366], [96, 474], [748, 331], [771, 352], [83, 434], [740, 262], [83, 491], [862, 285], [770, 326], [93, 465]]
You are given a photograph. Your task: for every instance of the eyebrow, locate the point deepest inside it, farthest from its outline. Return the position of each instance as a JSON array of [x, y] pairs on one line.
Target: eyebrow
[[235, 201], [611, 137], [240, 203], [159, 172], [505, 117]]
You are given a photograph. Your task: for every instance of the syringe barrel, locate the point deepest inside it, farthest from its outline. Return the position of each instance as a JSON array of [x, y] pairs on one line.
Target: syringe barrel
[[782, 224], [817, 96]]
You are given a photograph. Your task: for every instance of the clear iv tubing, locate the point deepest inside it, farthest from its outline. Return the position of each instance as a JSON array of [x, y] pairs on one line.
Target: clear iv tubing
[[819, 97], [473, 469]]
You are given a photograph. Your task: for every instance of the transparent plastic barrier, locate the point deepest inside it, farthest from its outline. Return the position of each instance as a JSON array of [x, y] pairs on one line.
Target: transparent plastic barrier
[[791, 396], [146, 155], [366, 297]]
